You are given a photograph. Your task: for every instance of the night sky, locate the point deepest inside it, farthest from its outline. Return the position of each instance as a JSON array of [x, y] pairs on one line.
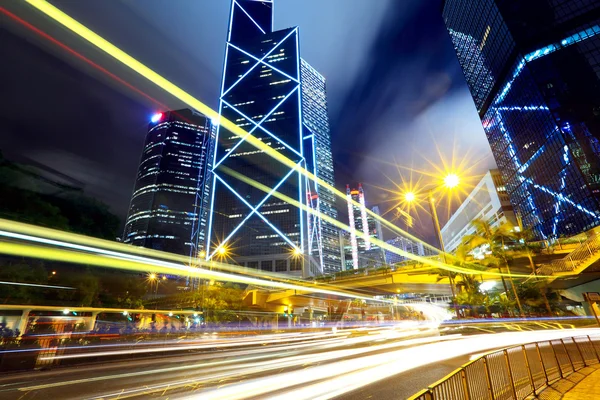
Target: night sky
[[395, 89]]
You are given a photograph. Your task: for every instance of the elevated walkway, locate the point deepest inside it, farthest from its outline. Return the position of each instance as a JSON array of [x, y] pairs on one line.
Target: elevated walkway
[[584, 258]]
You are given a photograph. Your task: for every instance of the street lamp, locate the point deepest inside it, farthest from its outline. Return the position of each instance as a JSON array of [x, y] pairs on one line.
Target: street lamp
[[450, 181], [152, 277]]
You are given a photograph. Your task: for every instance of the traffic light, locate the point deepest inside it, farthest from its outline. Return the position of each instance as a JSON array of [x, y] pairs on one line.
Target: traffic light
[[285, 311], [291, 312]]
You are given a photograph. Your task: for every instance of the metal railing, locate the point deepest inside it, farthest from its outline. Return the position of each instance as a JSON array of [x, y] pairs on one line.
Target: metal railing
[[516, 372], [587, 252]]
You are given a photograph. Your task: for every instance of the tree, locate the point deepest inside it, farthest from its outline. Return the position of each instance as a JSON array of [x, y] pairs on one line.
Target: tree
[[26, 198], [87, 289], [494, 239], [470, 295], [523, 237], [22, 271]]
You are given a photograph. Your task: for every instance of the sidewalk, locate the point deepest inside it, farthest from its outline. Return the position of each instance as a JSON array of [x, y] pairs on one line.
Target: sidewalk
[[587, 388], [583, 384]]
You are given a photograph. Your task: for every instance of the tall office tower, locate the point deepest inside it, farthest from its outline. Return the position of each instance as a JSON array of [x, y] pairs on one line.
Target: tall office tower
[[359, 247], [533, 69], [270, 92], [318, 141], [169, 205]]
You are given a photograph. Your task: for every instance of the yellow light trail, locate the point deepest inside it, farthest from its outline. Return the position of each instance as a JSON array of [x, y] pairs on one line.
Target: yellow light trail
[[21, 231], [380, 243], [163, 267], [174, 90]]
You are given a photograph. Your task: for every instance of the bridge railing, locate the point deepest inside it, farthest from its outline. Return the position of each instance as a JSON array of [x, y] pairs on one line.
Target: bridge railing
[[577, 258], [516, 372]]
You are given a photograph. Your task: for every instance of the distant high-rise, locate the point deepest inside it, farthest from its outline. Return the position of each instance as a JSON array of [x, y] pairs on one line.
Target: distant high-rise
[[169, 205], [359, 249], [533, 69], [410, 246], [269, 91]]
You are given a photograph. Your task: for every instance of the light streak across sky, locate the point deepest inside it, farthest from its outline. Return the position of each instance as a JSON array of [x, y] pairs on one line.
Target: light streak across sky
[[85, 33], [110, 49], [36, 285]]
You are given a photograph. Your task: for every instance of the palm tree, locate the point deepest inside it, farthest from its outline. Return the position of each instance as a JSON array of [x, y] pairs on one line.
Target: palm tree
[[494, 238], [451, 275], [524, 237]]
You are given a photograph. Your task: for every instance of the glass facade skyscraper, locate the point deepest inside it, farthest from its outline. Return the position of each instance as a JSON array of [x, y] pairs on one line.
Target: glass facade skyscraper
[[533, 69], [322, 234], [278, 98], [169, 205]]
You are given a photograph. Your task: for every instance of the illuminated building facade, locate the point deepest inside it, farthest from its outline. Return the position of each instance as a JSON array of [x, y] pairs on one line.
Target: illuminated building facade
[[358, 249], [169, 205], [270, 92], [533, 69], [488, 201], [409, 246]]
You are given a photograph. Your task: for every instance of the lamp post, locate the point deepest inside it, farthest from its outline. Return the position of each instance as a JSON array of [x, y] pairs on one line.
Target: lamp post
[[152, 278], [451, 181]]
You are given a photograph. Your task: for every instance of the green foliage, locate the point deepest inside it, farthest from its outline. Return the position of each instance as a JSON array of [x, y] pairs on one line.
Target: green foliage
[[87, 288], [23, 200], [22, 271]]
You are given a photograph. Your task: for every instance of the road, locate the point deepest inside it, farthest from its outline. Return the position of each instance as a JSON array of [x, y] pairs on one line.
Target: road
[[359, 364]]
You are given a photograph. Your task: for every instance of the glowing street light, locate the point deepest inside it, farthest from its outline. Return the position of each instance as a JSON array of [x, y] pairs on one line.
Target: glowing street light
[[152, 276], [451, 181], [297, 252], [222, 250]]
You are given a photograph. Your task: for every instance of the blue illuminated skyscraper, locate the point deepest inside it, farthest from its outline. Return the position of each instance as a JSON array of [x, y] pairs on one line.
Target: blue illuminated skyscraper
[[270, 92], [533, 69], [169, 204]]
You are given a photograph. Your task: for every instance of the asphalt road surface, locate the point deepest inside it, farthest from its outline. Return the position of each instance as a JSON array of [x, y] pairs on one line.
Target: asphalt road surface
[[391, 363]]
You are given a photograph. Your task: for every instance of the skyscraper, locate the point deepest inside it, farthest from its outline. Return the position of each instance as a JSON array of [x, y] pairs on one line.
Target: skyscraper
[[169, 205], [362, 251], [273, 94], [533, 69]]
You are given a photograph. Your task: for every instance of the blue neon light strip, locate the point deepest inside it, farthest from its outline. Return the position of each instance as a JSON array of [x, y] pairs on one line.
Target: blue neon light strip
[[262, 128], [264, 63], [300, 134], [255, 210], [256, 125], [251, 19], [576, 38], [258, 63]]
